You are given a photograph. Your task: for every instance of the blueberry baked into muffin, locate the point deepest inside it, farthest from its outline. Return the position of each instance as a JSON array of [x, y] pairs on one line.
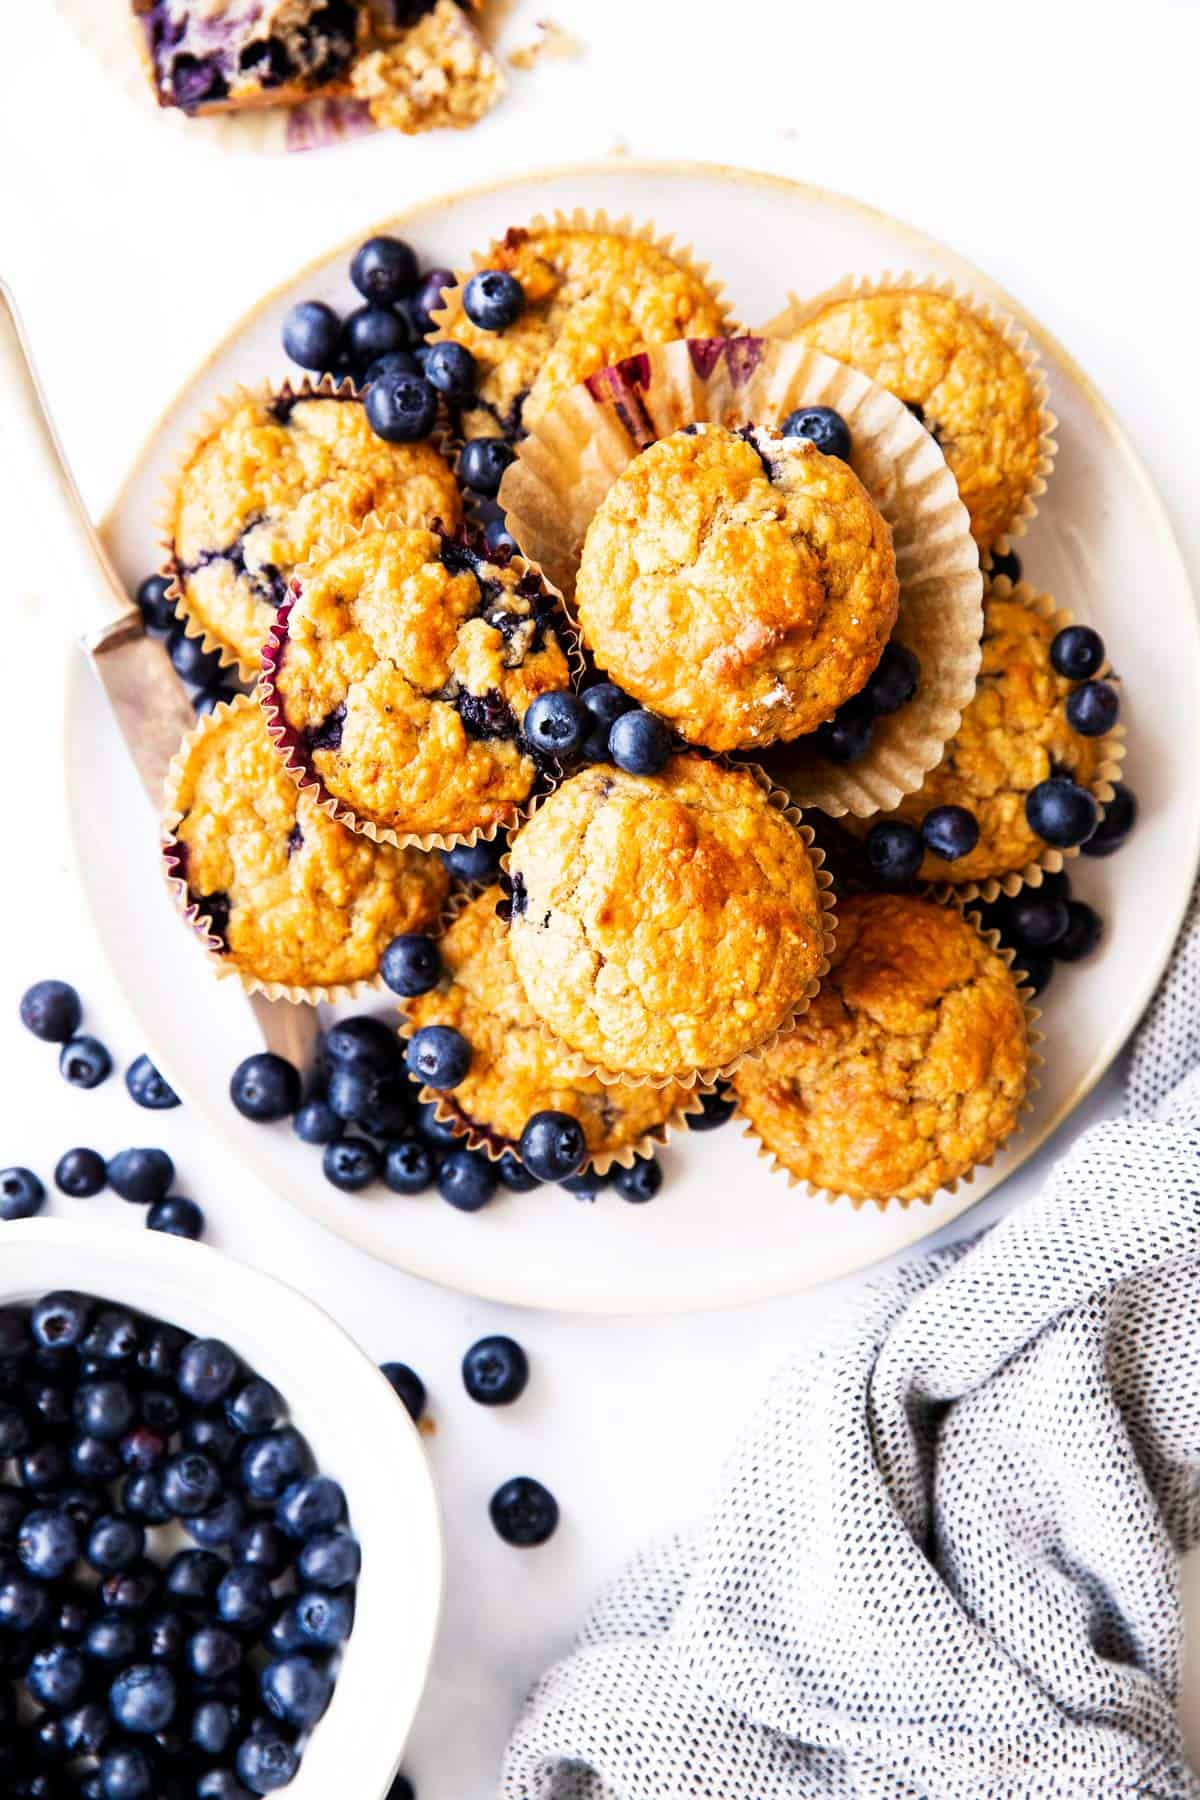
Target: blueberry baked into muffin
[[739, 583], [909, 1068], [408, 661], [664, 924], [272, 478], [515, 1071], [290, 895]]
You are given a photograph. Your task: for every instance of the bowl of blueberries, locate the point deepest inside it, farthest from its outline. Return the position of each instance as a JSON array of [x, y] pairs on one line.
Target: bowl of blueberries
[[220, 1552]]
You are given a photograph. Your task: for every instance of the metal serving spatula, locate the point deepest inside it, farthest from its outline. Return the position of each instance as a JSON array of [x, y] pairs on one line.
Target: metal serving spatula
[[149, 702]]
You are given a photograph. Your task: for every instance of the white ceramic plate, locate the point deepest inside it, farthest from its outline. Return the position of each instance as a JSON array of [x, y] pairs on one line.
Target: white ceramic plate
[[723, 1229]]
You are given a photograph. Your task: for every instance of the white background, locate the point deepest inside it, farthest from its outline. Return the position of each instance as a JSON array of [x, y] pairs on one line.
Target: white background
[[1054, 144]]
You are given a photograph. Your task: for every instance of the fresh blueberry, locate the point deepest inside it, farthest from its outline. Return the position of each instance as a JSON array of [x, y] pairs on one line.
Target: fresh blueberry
[[407, 1384], [498, 538], [372, 332], [255, 1408], [266, 1761], [477, 863], [1034, 969], [316, 1122], [51, 1010], [111, 1640], [641, 1181], [191, 1483], [295, 1690], [822, 426], [283, 1634], [159, 1354], [440, 1134], [22, 1195], [211, 1727], [312, 335], [141, 1176], [513, 1174], [142, 1699], [93, 1460], [142, 1497], [351, 1164], [125, 1774], [190, 660], [219, 1525], [207, 1370], [143, 1448], [605, 702], [80, 1173], [1093, 708], [1077, 652], [451, 369], [329, 1560], [1005, 562], [207, 699], [411, 964], [553, 1145], [84, 1062], [847, 736], [60, 1321], [428, 298], [716, 1109], [215, 1436], [555, 723], [894, 680], [396, 362], [25, 1603], [350, 1090], [466, 1180], [131, 1590], [893, 850], [309, 1506], [260, 1546], [244, 1599], [363, 1042], [176, 1217], [265, 1087], [43, 1467], [639, 742], [482, 462], [493, 299], [587, 1185], [1061, 812], [408, 1166], [1035, 920], [271, 1463], [221, 1784], [47, 1544], [524, 1512], [213, 1652], [157, 610], [87, 1729], [115, 1543], [113, 1336], [950, 832], [401, 408], [1084, 931], [104, 1409], [438, 1056], [384, 269], [495, 1371], [325, 1619], [56, 1676], [147, 1087], [1120, 815]]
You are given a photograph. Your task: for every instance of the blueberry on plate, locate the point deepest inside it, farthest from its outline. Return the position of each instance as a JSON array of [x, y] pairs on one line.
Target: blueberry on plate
[[147, 1087], [84, 1062], [1077, 652], [125, 1774], [207, 1370], [220, 1784], [115, 1543], [316, 1122], [351, 1164], [325, 1619], [476, 863], [513, 1174], [408, 1166], [212, 1652], [1093, 708], [266, 1761], [411, 964], [451, 369], [207, 700], [211, 1727], [295, 1690], [950, 832], [60, 1320], [639, 742], [25, 1603], [493, 299], [141, 1176], [193, 1575], [553, 1146], [265, 1087], [495, 1371], [51, 1010], [110, 1640], [482, 462], [396, 362], [142, 1699], [213, 1529], [847, 736], [524, 1512], [371, 332], [309, 1506], [822, 426], [270, 1463], [605, 702], [363, 1042], [22, 1195], [1084, 931], [716, 1109], [257, 1407], [641, 1181], [190, 660], [157, 611], [586, 1185], [384, 269], [401, 408], [1005, 562], [329, 1560], [113, 1336], [142, 1498], [312, 335], [428, 298], [466, 1180], [1035, 920], [1061, 812], [260, 1546], [56, 1676], [1120, 816], [440, 1134], [555, 723], [244, 1599], [191, 1483], [894, 851], [177, 1217], [894, 680], [438, 1055], [47, 1544], [407, 1384]]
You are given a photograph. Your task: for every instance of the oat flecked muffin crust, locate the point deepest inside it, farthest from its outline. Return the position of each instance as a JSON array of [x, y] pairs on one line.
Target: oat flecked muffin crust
[[739, 583], [591, 298], [1013, 734], [407, 667], [967, 385], [515, 1070], [911, 1064], [664, 923], [270, 481], [440, 74], [296, 898]]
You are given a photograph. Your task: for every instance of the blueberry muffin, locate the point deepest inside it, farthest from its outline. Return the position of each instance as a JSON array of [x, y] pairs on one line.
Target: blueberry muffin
[[207, 56], [909, 1068], [966, 384], [269, 481], [664, 924], [293, 897], [439, 75], [407, 664], [739, 583], [516, 1070], [590, 298]]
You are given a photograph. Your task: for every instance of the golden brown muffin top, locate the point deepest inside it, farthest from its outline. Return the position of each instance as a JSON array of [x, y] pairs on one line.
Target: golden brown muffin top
[[440, 74], [591, 298], [268, 484], [910, 1066], [973, 391], [1013, 734], [408, 665], [741, 584], [663, 923], [296, 897], [515, 1070]]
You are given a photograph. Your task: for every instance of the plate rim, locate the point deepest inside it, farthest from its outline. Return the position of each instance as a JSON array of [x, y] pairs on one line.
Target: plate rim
[[917, 1224]]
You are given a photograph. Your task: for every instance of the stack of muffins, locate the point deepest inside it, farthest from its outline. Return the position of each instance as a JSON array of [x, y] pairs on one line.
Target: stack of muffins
[[761, 602]]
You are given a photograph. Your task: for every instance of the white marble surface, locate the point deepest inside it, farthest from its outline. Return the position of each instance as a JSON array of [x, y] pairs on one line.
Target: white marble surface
[[1056, 149]]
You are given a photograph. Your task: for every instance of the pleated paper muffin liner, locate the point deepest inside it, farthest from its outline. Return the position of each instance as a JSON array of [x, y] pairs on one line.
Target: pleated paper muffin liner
[[290, 745], [857, 287], [321, 387], [567, 464], [174, 862], [882, 1201], [703, 1079], [476, 1136]]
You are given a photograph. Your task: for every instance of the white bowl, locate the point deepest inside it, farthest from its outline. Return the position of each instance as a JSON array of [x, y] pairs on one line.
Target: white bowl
[[360, 1432]]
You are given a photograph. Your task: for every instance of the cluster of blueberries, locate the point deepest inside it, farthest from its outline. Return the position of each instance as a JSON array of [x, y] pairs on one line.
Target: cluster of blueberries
[[1045, 925], [128, 1672]]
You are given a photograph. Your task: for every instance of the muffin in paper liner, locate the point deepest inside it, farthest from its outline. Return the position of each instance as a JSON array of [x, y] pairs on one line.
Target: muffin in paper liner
[[289, 744], [800, 312], [882, 1201], [1049, 860], [324, 387], [581, 220], [174, 862], [569, 461], [703, 1079], [494, 1145]]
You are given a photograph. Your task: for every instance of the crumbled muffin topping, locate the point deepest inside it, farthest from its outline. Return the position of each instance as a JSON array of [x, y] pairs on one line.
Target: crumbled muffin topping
[[440, 74]]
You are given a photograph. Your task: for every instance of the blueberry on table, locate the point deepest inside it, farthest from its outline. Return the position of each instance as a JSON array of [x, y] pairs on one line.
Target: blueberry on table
[[452, 370], [401, 408], [893, 681], [1093, 708], [428, 298], [270, 1463], [1061, 812], [147, 1087], [514, 1175], [524, 1512], [372, 332], [142, 1699], [847, 736], [438, 1055], [140, 1176], [312, 335], [351, 1164], [482, 462], [555, 723], [1120, 816], [553, 1145], [950, 832], [47, 1544], [586, 1185], [51, 1010], [22, 1195], [1035, 920], [265, 1087], [157, 611], [1084, 931], [295, 1690], [1077, 652], [84, 1062], [408, 1166], [80, 1173], [350, 1090], [476, 863], [266, 1761], [822, 426], [466, 1180], [176, 1217], [716, 1109], [384, 269], [894, 851], [190, 660], [495, 1371], [493, 299], [407, 1384], [316, 1122], [329, 1560], [207, 1370], [641, 1181], [639, 742]]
